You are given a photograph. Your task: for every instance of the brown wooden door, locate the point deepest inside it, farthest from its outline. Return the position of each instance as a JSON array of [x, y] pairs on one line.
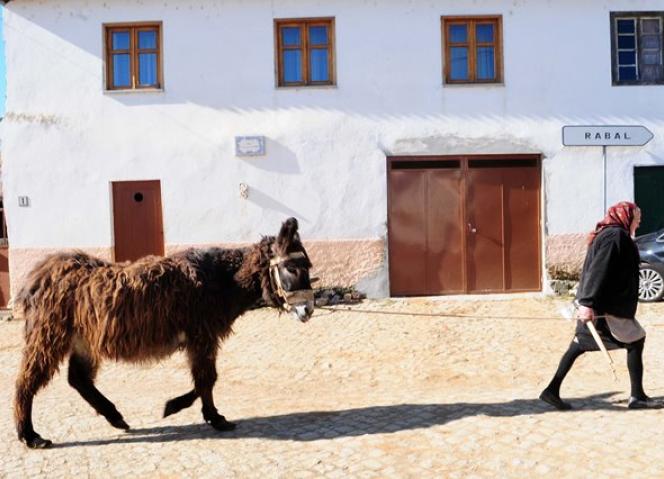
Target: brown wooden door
[[4, 276], [425, 238], [137, 220], [463, 225]]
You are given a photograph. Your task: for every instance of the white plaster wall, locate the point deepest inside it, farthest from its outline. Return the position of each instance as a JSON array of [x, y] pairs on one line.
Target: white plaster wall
[[65, 139]]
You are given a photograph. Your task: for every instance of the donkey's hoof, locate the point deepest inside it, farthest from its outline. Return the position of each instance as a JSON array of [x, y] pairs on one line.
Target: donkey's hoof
[[171, 407], [38, 442], [221, 424], [179, 403], [119, 423]]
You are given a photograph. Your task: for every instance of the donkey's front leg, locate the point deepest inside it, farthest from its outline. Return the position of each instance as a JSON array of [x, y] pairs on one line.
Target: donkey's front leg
[[204, 372]]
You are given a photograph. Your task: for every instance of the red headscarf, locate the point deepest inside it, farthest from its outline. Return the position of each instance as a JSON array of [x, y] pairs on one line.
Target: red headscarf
[[621, 214]]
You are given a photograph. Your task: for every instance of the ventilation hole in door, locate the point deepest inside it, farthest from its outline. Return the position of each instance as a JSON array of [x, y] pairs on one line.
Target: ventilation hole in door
[[138, 197]]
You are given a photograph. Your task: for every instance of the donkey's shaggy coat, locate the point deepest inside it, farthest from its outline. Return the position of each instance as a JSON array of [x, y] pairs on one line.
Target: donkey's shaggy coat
[[91, 310]]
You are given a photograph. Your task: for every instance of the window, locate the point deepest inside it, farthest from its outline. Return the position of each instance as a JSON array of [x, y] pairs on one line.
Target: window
[[133, 56], [305, 52], [636, 48], [473, 52]]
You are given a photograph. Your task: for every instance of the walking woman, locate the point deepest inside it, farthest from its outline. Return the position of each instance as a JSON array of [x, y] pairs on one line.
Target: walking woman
[[608, 295]]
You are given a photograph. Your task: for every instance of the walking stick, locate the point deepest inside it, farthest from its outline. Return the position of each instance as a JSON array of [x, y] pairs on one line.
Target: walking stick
[[569, 314], [602, 348]]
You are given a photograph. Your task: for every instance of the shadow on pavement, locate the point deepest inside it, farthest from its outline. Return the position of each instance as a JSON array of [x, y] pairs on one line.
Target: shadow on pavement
[[316, 425]]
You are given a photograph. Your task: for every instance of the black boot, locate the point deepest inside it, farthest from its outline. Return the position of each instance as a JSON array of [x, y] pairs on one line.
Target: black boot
[[644, 403], [552, 398]]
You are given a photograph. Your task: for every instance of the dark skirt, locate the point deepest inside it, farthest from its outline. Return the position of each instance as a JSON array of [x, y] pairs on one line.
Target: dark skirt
[[585, 339]]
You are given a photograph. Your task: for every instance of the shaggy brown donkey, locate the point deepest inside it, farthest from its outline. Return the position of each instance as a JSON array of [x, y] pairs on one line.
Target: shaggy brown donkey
[[91, 310]]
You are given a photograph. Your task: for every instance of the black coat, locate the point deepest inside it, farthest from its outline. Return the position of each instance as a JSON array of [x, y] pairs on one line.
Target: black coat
[[610, 277]]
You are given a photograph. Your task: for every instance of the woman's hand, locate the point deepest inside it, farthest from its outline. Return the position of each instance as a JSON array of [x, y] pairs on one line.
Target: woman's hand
[[585, 314]]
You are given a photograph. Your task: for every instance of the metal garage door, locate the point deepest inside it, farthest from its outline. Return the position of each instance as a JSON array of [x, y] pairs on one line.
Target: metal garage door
[[468, 224]]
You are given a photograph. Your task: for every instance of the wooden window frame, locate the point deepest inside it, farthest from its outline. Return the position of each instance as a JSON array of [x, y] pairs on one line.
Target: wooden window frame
[[304, 24], [133, 52], [472, 45], [638, 17]]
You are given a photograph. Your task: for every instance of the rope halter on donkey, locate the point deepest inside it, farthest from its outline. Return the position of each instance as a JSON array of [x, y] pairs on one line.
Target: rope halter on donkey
[[291, 298]]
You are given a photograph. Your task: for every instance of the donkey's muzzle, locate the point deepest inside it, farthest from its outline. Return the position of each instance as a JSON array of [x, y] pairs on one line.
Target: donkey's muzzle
[[300, 303]]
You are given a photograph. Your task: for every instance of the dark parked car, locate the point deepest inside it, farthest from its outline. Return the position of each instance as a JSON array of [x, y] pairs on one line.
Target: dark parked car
[[651, 276]]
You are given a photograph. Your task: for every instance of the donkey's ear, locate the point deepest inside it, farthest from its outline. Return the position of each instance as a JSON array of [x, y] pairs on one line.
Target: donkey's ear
[[288, 234]]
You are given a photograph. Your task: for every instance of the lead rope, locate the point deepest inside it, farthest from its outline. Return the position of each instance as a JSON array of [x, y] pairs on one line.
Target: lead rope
[[350, 309]]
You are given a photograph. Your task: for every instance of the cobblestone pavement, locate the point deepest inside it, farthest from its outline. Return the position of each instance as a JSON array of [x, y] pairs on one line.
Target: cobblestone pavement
[[394, 391]]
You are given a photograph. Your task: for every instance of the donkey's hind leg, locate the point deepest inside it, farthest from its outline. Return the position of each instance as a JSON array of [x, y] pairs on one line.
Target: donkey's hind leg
[[41, 357], [82, 372], [179, 403]]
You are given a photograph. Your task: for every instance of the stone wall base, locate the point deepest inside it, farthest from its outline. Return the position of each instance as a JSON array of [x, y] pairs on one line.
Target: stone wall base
[[564, 255]]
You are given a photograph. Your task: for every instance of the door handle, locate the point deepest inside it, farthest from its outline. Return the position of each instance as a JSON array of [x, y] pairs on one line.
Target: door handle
[[471, 229]]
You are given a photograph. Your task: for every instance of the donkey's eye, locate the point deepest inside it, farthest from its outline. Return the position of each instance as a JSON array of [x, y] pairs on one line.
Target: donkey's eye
[[291, 270]]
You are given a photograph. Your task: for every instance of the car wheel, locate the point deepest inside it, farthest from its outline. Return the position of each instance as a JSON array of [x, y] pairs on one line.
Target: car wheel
[[651, 284]]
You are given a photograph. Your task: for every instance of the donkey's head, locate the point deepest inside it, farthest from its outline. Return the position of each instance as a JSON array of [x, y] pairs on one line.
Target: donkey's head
[[289, 273]]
